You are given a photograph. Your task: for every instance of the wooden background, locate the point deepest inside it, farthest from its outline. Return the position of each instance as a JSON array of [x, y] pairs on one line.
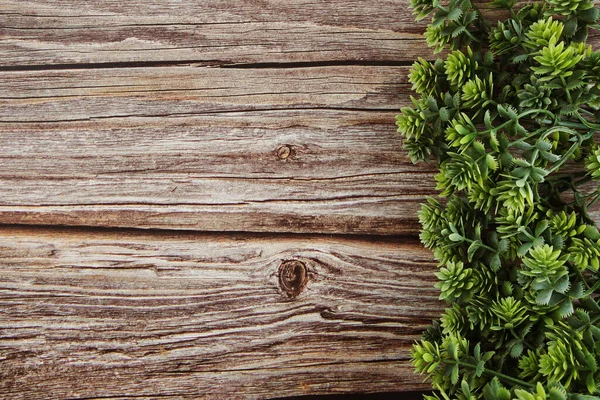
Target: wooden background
[[208, 199]]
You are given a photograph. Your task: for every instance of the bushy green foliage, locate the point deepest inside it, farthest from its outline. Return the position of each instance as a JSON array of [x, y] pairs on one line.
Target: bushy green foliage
[[510, 117]]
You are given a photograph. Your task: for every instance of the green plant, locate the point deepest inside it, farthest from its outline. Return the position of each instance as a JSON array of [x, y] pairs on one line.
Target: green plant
[[510, 117]]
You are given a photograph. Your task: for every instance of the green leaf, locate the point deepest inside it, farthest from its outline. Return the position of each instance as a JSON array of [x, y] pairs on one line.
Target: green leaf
[[491, 162], [576, 290], [591, 232], [550, 156], [456, 237], [454, 14], [557, 242], [543, 297], [570, 27], [521, 162], [478, 146], [503, 112], [448, 99], [488, 59], [591, 363], [566, 308], [454, 374], [517, 349], [591, 15], [523, 145], [439, 19], [476, 245], [495, 263], [432, 104], [479, 369], [573, 84], [569, 109], [487, 119], [524, 248], [494, 142], [543, 145], [562, 285], [541, 227], [443, 113], [557, 393], [520, 58], [495, 391], [458, 31], [503, 246], [590, 383]]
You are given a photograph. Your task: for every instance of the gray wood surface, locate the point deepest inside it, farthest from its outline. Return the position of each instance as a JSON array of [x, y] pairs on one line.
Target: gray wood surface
[[88, 314]]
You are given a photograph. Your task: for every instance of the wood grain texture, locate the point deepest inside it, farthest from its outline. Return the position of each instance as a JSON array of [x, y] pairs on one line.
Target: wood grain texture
[[88, 314], [54, 32], [213, 149]]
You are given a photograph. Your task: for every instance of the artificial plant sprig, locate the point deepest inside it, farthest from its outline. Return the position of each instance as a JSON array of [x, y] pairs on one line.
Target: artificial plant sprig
[[510, 117]]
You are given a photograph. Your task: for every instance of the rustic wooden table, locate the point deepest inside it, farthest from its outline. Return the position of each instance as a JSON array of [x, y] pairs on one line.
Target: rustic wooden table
[[208, 199]]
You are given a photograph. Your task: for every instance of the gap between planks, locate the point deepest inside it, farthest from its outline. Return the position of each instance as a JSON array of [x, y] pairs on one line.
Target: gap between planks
[[209, 64]]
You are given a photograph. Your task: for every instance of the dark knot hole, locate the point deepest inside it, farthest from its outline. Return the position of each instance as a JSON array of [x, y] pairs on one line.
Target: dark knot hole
[[293, 277]]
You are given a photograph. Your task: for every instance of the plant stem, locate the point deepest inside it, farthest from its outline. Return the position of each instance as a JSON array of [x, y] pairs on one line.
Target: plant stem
[[591, 203], [499, 375], [587, 123], [562, 79], [582, 181]]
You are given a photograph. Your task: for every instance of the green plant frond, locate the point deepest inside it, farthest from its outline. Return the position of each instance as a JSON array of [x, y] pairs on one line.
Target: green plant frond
[[568, 7], [421, 8], [411, 123], [436, 39], [557, 61], [584, 253], [461, 132], [558, 363], [535, 95], [458, 173], [480, 195], [514, 197], [456, 281], [544, 263], [460, 67], [509, 313], [592, 163], [478, 93], [423, 77], [506, 37], [454, 321], [543, 33], [565, 225]]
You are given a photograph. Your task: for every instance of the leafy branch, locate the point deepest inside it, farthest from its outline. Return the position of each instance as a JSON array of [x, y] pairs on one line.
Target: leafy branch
[[513, 104]]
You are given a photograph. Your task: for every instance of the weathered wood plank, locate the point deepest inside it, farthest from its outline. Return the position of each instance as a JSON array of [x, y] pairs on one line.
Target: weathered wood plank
[[66, 95], [298, 150], [88, 314], [51, 32]]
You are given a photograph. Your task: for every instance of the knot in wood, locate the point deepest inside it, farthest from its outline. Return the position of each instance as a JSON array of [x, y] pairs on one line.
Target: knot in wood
[[284, 152], [293, 277]]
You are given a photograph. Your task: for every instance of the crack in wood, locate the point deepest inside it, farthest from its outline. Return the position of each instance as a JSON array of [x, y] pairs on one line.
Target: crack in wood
[[205, 64]]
